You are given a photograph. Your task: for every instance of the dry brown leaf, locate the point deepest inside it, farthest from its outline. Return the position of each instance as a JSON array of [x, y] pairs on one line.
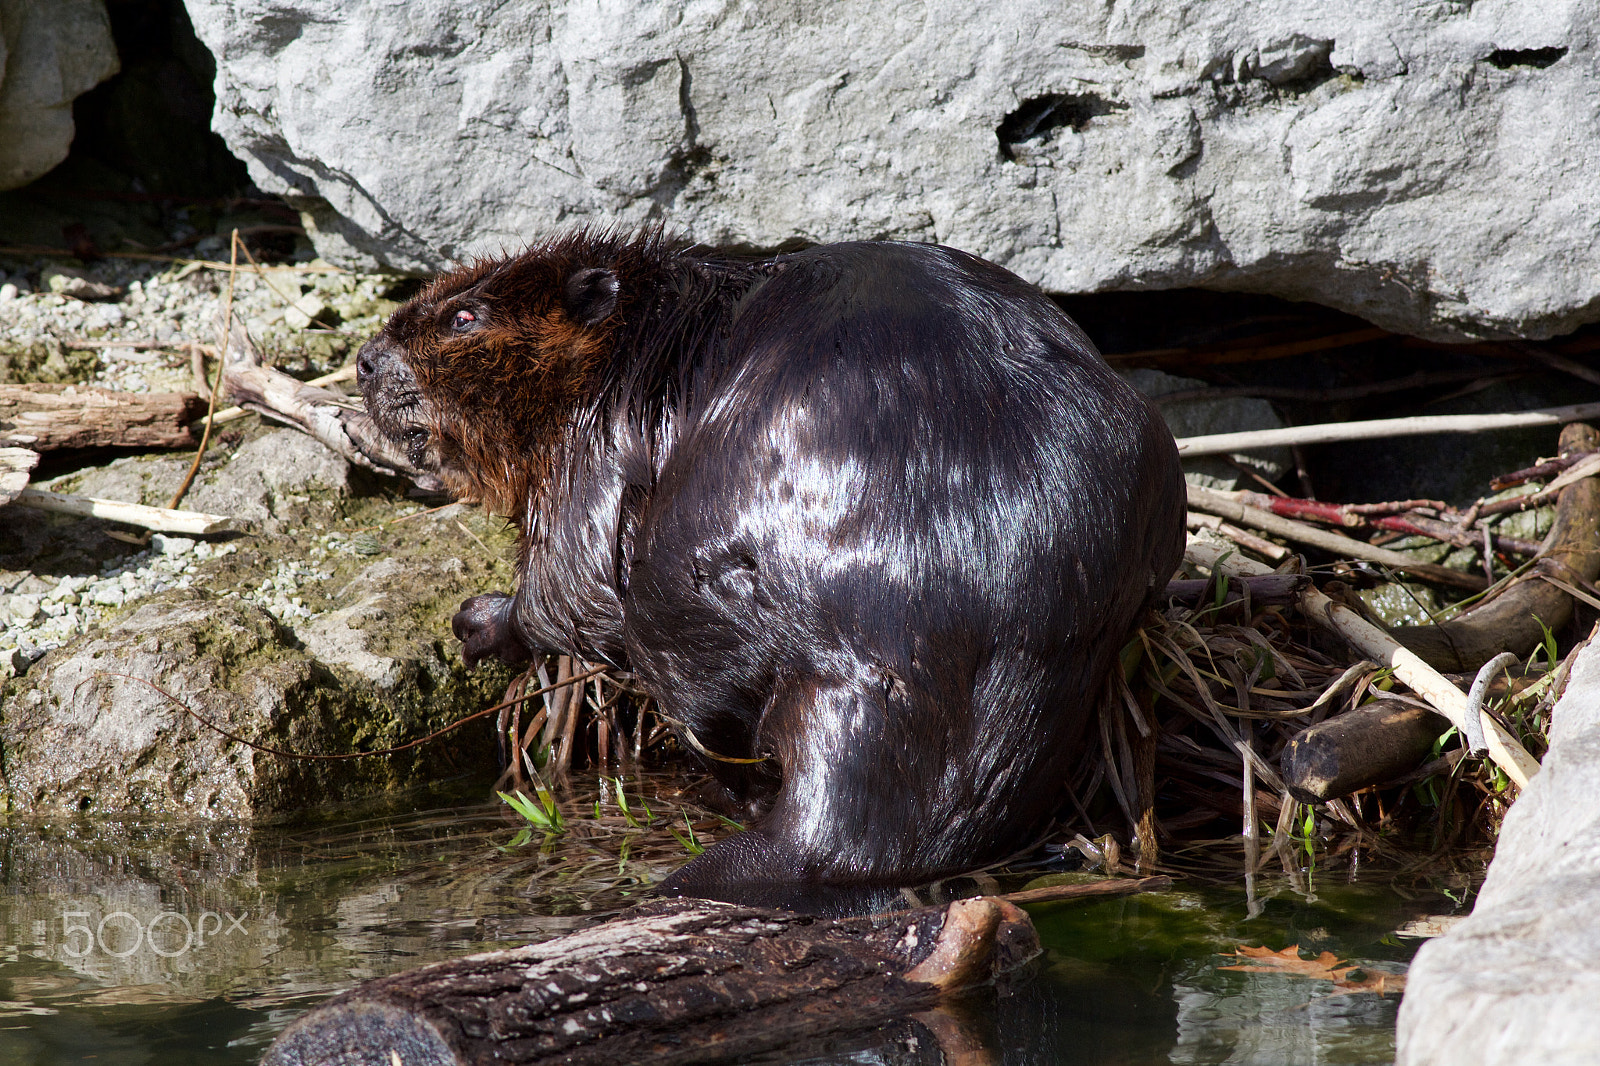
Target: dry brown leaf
[[1325, 967]]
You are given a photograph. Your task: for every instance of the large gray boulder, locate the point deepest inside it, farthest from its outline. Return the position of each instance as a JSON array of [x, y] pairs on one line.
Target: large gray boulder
[[1428, 167], [1519, 980], [50, 53]]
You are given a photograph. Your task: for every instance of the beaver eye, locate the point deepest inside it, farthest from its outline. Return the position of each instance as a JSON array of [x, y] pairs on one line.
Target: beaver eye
[[463, 320]]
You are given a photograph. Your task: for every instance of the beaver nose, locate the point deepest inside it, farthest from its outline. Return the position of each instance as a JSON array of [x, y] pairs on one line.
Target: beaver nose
[[368, 360]]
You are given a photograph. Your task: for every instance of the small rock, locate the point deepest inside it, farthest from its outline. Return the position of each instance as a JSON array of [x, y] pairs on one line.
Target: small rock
[[300, 314], [8, 292], [79, 286], [173, 546]]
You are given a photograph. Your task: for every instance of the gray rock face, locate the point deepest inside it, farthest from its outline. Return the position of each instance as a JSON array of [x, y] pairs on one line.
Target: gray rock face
[[49, 54], [1426, 167], [1519, 981]]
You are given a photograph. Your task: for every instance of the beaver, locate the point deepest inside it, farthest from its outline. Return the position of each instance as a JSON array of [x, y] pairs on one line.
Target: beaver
[[873, 518]]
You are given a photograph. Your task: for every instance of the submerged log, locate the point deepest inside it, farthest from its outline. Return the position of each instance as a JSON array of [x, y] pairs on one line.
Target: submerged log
[[50, 417], [1374, 743], [678, 982], [1512, 620]]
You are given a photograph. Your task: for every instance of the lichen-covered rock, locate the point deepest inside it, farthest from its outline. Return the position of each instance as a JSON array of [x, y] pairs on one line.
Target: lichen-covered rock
[[49, 54], [1428, 167], [100, 724]]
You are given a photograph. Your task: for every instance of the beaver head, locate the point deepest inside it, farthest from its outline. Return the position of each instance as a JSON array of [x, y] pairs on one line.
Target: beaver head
[[478, 374]]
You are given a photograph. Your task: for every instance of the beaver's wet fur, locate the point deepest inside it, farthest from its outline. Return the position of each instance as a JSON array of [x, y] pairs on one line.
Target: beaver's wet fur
[[876, 512]]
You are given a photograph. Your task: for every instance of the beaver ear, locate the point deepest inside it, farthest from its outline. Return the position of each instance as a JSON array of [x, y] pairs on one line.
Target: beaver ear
[[591, 296]]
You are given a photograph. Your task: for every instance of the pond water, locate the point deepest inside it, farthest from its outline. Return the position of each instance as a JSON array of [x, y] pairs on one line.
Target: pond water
[[130, 941]]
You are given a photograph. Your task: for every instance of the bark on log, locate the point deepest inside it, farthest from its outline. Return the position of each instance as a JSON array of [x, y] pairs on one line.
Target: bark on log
[[334, 419], [679, 982], [1511, 621], [1376, 742], [15, 466], [50, 417]]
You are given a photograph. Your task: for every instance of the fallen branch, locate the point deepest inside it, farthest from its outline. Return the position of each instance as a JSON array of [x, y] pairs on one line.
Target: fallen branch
[[1506, 750], [1335, 432], [1379, 516], [1376, 742], [158, 519], [336, 420], [46, 418], [1517, 618], [1226, 505]]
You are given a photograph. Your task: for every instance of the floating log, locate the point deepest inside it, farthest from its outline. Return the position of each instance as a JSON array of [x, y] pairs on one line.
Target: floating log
[[1511, 621], [1369, 745], [46, 418], [679, 982]]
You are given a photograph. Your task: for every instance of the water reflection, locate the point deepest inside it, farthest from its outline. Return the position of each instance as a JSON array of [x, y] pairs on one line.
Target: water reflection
[[133, 942]]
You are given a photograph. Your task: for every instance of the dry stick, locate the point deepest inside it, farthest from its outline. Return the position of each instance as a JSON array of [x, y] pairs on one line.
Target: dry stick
[[1506, 751], [1117, 886], [1332, 432], [216, 386], [1228, 506], [155, 519], [233, 414], [457, 724]]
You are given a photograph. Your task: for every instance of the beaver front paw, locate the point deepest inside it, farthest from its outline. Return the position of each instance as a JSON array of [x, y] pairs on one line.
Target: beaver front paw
[[485, 626]]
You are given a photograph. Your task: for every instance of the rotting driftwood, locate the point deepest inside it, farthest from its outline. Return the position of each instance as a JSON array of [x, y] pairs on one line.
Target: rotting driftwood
[[336, 420], [1511, 621], [52, 417], [677, 982], [1369, 745]]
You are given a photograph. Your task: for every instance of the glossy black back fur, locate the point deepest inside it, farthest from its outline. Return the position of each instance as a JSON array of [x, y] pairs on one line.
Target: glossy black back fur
[[886, 519]]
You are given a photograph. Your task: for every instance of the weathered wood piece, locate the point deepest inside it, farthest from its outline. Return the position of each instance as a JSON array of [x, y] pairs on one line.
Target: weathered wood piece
[[1373, 743], [678, 982], [50, 417], [336, 420], [1506, 750], [15, 466], [159, 519], [1511, 621]]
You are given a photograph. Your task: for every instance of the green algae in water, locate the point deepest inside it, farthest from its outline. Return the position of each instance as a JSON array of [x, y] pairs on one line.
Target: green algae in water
[[95, 965]]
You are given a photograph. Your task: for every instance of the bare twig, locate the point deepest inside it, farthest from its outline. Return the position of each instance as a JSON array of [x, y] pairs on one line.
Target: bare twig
[[1376, 429]]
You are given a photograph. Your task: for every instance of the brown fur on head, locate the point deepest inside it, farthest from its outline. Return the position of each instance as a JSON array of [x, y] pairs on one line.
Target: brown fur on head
[[501, 356]]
